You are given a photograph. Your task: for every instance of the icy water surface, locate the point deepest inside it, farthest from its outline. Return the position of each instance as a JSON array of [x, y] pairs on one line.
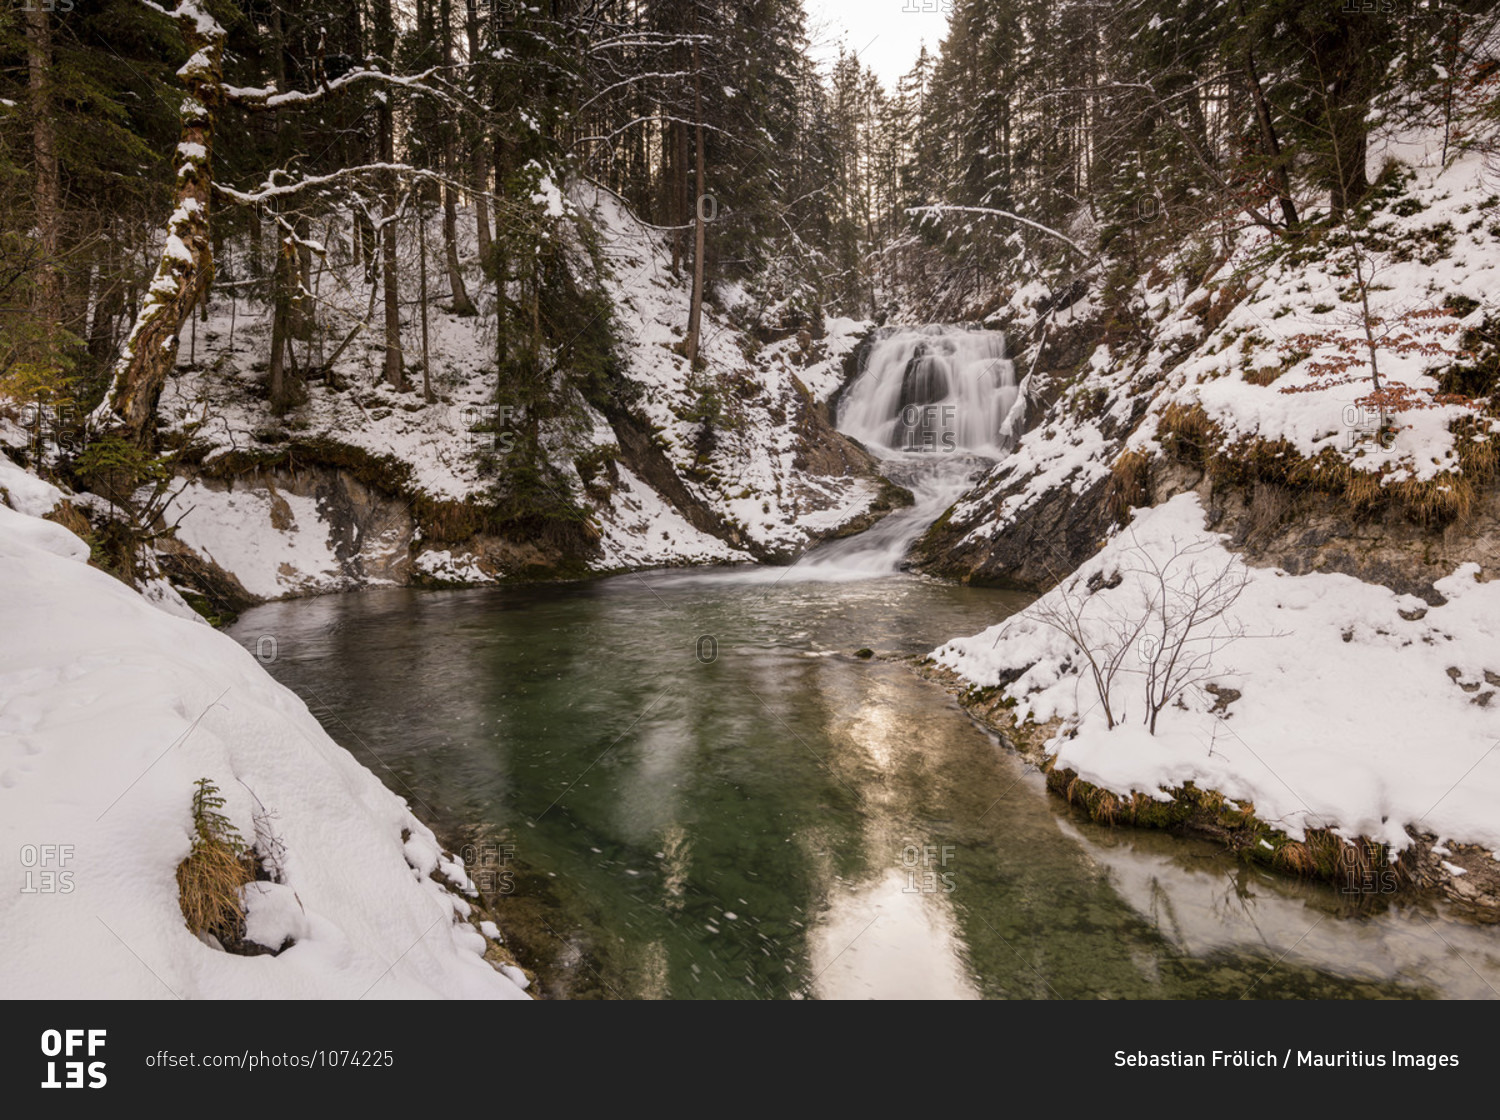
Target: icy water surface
[[691, 788]]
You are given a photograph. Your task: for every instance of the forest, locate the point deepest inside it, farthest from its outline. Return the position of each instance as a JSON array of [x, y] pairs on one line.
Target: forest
[[153, 157]]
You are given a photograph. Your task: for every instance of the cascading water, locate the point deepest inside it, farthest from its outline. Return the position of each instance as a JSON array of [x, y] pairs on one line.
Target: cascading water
[[936, 405], [933, 403], [932, 389]]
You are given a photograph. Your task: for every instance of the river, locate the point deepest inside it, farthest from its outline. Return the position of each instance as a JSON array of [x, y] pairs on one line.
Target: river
[[692, 785]]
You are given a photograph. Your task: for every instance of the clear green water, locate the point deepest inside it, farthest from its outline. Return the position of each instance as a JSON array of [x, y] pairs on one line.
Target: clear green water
[[784, 819]]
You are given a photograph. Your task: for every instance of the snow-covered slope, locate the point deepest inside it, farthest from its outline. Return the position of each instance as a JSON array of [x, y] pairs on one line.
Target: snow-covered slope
[[766, 475], [1358, 709], [1264, 363], [110, 710], [1352, 686]]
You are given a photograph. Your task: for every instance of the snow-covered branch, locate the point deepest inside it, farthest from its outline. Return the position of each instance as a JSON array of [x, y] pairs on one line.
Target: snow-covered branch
[[989, 210], [268, 97]]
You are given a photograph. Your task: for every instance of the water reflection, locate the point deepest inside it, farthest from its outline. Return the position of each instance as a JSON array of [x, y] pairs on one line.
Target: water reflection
[[788, 820]]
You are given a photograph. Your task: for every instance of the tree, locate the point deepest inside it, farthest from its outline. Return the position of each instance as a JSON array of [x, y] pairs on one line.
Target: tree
[[186, 266], [1167, 611]]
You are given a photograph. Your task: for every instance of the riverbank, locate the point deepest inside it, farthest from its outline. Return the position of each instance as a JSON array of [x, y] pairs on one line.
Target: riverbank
[[1262, 733], [142, 747]]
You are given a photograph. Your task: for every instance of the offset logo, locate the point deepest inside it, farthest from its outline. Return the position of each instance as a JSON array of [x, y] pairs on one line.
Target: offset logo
[[44, 865], [74, 1045]]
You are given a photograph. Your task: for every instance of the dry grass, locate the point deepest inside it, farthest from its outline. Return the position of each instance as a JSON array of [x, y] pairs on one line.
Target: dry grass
[[1264, 375], [1478, 451], [1130, 483], [1321, 854], [1269, 505], [210, 880], [1187, 433]]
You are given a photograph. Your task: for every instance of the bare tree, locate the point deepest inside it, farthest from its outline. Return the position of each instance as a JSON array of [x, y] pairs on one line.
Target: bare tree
[[1171, 615], [1100, 628], [1188, 598]]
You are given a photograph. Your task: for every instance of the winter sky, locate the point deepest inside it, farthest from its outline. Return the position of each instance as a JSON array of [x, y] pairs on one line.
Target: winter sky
[[886, 34]]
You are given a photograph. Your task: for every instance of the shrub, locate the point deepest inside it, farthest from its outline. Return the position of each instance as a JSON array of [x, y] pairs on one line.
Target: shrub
[[210, 879]]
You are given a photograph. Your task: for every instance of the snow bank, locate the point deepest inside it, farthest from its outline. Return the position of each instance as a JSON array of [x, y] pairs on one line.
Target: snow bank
[[1361, 710], [110, 709], [275, 543]]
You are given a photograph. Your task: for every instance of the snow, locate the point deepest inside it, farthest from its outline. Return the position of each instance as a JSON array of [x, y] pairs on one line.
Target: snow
[[1301, 316], [1349, 718], [843, 335], [275, 542], [443, 564], [640, 530], [177, 250], [26, 493], [110, 709], [548, 197], [442, 446]]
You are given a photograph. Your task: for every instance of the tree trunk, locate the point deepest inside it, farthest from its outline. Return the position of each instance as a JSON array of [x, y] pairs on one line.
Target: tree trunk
[[47, 291], [695, 307], [1268, 136], [282, 280], [1270, 140], [679, 238], [385, 47], [300, 309], [395, 373], [186, 266], [1350, 183], [462, 304], [109, 301], [422, 299], [478, 166]]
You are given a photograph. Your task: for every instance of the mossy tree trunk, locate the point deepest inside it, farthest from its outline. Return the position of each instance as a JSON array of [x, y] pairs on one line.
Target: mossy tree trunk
[[186, 266]]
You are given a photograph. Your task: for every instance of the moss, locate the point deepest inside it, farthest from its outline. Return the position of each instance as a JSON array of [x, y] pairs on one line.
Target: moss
[[218, 619], [1321, 854]]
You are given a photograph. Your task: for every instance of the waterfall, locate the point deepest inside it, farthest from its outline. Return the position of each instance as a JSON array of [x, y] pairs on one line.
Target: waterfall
[[932, 389], [934, 405]]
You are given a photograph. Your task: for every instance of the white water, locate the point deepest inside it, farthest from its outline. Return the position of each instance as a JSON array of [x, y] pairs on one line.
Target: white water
[[930, 390], [932, 405]]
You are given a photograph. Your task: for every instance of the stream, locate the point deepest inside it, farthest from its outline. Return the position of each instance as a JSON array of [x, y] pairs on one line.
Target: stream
[[690, 784]]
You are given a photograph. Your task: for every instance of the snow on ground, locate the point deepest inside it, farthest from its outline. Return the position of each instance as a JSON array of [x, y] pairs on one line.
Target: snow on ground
[[1289, 360], [275, 543], [750, 472], [110, 710], [642, 530], [1361, 709], [823, 375]]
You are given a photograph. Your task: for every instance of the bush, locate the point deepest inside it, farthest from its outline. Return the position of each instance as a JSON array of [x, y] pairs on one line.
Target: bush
[[210, 880]]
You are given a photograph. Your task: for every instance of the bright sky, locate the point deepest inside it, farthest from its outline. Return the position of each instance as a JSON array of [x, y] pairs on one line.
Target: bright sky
[[884, 33]]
